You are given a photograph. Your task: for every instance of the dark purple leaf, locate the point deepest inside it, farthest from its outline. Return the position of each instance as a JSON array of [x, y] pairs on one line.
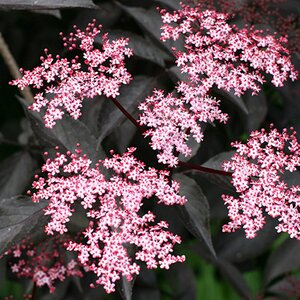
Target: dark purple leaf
[[287, 288], [53, 12], [90, 112], [146, 287], [123, 285], [235, 277], [130, 96], [183, 282], [16, 173], [236, 248], [283, 260], [146, 294], [141, 47], [195, 213], [70, 132], [19, 217], [257, 110], [124, 288], [45, 4], [123, 135], [107, 14], [291, 6], [67, 133], [170, 215], [216, 164], [176, 74], [173, 4], [194, 145], [151, 22], [238, 101]]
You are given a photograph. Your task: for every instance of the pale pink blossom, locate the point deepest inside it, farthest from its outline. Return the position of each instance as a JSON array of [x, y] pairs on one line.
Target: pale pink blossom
[[113, 206], [259, 175], [258, 12], [65, 83], [223, 55], [216, 54], [172, 120]]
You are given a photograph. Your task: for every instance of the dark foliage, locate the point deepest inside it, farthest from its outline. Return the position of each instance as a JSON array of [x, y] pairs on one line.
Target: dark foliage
[[266, 267]]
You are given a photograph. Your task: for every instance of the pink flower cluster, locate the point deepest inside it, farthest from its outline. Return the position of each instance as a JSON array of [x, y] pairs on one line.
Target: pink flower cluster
[[44, 264], [120, 232], [259, 177], [257, 12], [113, 207], [173, 119], [223, 55], [216, 54], [65, 83]]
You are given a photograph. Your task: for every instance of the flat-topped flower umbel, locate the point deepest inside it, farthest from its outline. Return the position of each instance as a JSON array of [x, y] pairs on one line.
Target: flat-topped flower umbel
[[259, 168], [224, 55], [113, 207], [65, 83]]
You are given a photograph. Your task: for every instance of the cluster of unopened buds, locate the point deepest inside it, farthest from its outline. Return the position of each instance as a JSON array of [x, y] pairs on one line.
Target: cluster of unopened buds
[[216, 54]]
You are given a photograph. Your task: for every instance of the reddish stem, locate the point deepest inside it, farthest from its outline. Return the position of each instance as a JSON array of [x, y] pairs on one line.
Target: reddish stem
[[203, 169], [34, 289], [180, 163], [127, 114]]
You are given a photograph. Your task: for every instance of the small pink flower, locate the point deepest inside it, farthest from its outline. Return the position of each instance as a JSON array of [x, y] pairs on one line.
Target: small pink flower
[[172, 120], [259, 168], [113, 206], [64, 83], [224, 55]]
